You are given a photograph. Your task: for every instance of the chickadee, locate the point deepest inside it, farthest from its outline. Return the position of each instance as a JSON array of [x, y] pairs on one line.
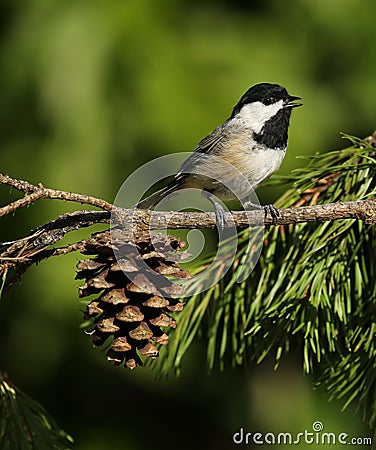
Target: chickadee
[[240, 154]]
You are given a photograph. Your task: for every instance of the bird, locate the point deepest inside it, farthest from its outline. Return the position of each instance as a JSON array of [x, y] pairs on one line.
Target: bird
[[240, 154]]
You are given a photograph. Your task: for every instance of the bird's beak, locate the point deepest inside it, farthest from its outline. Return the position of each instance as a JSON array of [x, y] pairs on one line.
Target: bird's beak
[[291, 99]]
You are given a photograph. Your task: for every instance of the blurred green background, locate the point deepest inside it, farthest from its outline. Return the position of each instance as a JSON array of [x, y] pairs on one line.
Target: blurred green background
[[91, 90]]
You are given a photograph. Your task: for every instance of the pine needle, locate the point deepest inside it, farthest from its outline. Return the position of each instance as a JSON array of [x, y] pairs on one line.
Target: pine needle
[[26, 425], [313, 289]]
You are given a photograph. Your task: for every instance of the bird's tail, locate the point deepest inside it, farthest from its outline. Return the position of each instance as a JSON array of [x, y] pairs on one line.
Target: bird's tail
[[155, 198]]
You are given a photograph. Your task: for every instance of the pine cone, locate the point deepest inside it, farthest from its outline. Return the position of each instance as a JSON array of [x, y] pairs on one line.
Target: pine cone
[[135, 298]]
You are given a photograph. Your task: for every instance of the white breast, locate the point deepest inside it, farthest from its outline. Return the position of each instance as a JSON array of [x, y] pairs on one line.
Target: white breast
[[263, 164]]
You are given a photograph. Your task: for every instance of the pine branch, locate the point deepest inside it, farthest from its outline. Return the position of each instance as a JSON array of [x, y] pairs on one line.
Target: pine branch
[[27, 249], [362, 210], [313, 288], [23, 252], [25, 424]]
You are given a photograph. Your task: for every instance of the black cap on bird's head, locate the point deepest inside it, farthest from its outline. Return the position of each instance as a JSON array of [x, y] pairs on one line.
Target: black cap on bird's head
[[268, 94]]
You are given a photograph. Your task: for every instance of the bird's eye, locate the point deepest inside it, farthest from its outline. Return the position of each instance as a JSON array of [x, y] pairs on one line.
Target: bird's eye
[[269, 100]]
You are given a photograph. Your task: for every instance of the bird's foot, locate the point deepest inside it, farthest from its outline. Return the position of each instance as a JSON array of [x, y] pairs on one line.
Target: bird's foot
[[219, 211], [220, 216], [268, 209], [273, 211]]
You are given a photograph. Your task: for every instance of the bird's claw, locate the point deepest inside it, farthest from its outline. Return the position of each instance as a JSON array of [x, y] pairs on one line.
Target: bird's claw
[[273, 211], [220, 218]]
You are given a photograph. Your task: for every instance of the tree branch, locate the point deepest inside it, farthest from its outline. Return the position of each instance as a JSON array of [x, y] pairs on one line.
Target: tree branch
[[34, 193], [139, 220], [364, 210], [23, 252]]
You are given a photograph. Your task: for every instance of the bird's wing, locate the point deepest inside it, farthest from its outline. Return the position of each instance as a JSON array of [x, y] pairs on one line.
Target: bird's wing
[[213, 141], [210, 145]]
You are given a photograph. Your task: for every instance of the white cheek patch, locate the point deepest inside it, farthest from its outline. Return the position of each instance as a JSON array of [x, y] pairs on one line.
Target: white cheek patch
[[254, 115]]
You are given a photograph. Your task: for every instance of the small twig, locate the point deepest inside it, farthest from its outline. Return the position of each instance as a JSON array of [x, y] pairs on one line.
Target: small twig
[[34, 193], [53, 231], [77, 246], [3, 281], [24, 252], [15, 258]]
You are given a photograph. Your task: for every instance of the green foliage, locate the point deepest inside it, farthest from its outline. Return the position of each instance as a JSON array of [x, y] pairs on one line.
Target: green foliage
[[92, 90], [313, 289], [24, 424]]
